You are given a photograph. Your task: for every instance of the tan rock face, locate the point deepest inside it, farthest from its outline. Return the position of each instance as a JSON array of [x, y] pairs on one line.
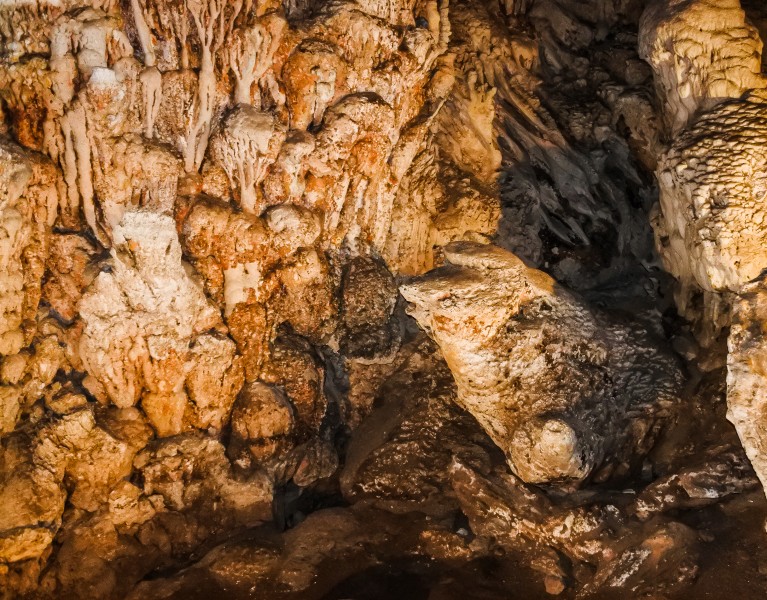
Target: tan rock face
[[28, 202], [556, 385], [74, 458], [245, 146], [69, 273], [192, 470], [710, 227], [236, 87], [206, 210], [746, 376], [263, 420], [145, 322], [712, 182], [261, 271], [310, 134], [702, 52], [27, 376]]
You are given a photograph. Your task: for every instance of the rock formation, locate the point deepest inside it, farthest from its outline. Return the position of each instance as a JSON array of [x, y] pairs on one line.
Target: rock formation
[[706, 59], [213, 216], [565, 392], [145, 333], [29, 202], [745, 375], [702, 53]]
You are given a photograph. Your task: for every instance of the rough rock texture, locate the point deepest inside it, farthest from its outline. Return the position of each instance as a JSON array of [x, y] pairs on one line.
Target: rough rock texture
[[28, 205], [746, 375], [657, 555], [70, 458], [209, 382], [711, 187], [565, 392], [146, 333], [702, 52], [400, 455], [261, 272], [706, 59]]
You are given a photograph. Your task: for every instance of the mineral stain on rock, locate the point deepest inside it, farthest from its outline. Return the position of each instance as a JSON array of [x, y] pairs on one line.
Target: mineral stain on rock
[[359, 299]]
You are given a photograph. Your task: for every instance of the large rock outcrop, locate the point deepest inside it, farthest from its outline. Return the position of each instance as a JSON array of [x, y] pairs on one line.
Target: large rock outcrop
[[566, 392]]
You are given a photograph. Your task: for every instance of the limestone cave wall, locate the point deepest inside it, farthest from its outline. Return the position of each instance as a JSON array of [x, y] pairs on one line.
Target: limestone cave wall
[[314, 299]]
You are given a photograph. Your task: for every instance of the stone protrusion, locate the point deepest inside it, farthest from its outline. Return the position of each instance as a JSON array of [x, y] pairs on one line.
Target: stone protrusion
[[567, 393]]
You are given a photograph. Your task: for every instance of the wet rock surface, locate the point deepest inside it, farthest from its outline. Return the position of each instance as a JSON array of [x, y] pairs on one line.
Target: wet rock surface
[[410, 299]]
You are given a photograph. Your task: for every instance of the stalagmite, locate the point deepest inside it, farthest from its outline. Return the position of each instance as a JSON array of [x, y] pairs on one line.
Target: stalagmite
[[702, 53], [710, 228], [746, 376]]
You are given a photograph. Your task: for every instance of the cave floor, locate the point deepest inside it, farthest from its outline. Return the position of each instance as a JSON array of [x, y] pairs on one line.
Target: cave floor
[[732, 564]]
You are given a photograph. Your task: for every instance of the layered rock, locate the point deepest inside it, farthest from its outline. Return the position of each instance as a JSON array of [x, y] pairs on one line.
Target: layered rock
[[566, 392]]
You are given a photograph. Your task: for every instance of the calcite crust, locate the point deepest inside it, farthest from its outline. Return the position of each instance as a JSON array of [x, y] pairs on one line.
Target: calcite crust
[[565, 392]]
